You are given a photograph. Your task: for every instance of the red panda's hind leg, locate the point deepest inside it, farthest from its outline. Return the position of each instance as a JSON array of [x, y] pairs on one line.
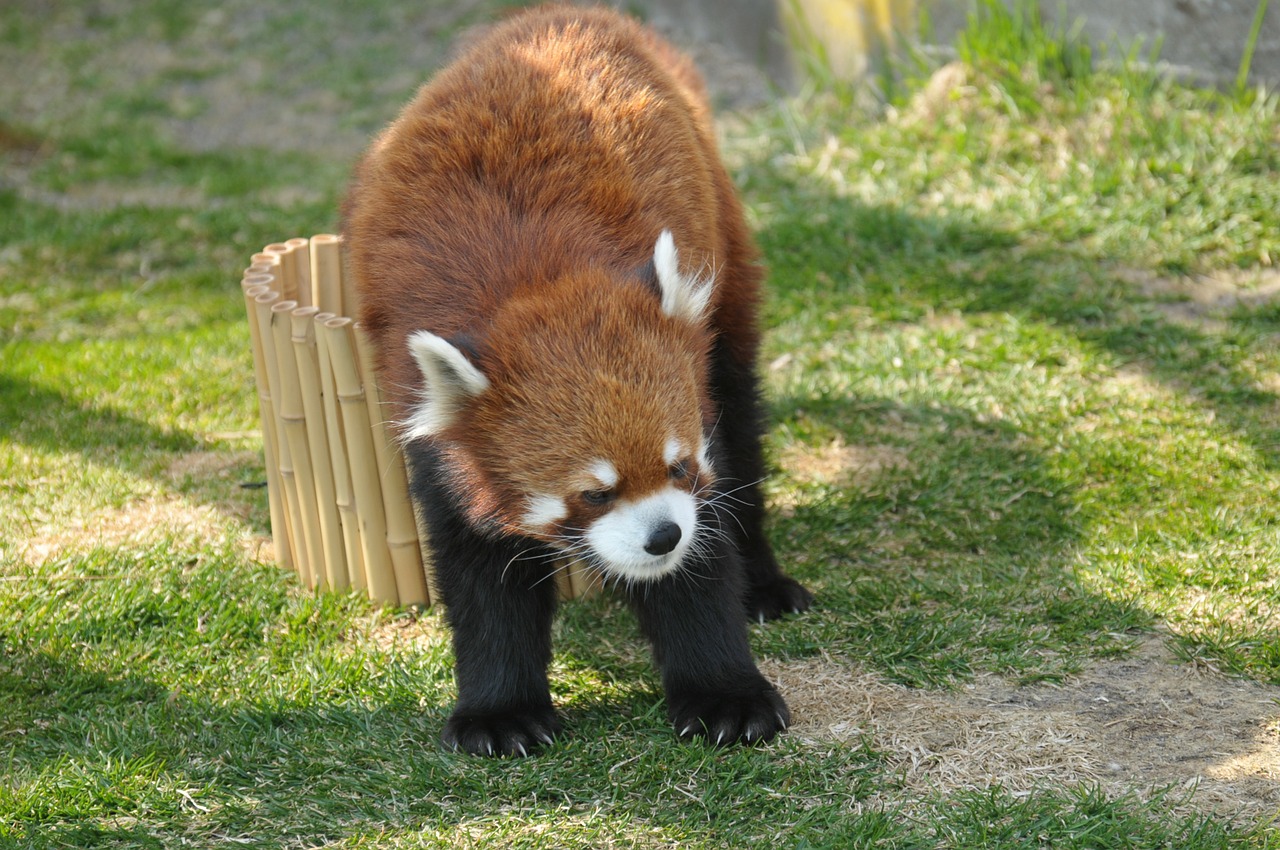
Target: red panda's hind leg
[[769, 592]]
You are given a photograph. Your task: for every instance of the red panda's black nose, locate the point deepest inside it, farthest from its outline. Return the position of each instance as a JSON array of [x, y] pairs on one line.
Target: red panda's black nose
[[663, 539]]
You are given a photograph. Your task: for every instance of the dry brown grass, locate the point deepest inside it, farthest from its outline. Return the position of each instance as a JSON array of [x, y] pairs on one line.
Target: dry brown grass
[[1133, 724], [155, 514]]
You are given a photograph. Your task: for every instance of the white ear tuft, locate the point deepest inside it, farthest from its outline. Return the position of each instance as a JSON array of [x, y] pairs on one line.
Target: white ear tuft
[[451, 380], [683, 296]]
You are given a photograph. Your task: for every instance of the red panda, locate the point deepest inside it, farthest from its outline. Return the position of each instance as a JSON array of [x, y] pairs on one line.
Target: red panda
[[561, 290]]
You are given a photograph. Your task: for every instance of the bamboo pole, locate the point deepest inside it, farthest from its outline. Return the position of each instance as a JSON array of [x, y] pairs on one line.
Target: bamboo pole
[[291, 415], [301, 268], [287, 273], [366, 482], [581, 582], [428, 567], [564, 583], [252, 285], [265, 258], [326, 273], [350, 300], [263, 304], [343, 495], [407, 554], [308, 368]]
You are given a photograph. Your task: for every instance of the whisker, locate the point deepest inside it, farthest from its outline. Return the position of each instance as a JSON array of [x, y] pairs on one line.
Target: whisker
[[564, 568], [724, 493], [523, 555]]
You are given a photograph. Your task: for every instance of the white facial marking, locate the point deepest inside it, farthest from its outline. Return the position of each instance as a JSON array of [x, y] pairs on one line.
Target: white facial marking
[[543, 510], [619, 537], [673, 451], [604, 472], [683, 296]]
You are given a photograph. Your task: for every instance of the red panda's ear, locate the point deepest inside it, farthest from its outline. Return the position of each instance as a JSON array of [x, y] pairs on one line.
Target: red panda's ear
[[684, 296], [451, 380]]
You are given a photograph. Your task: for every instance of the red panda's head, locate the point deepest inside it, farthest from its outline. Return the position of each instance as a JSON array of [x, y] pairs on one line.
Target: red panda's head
[[580, 418]]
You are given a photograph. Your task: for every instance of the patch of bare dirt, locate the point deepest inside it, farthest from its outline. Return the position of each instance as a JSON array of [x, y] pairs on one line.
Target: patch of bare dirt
[[205, 465], [840, 464], [151, 517], [139, 523], [1134, 724], [1203, 301]]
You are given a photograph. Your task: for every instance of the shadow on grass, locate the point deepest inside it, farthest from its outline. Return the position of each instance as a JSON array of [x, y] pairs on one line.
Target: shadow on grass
[[956, 560], [965, 552], [94, 758], [909, 265], [56, 423], [51, 420]]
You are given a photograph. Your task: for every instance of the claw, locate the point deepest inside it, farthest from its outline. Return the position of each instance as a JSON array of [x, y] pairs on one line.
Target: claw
[[523, 751]]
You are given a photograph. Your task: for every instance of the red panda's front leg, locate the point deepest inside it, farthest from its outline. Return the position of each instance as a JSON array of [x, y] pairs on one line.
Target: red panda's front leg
[[499, 601], [693, 618]]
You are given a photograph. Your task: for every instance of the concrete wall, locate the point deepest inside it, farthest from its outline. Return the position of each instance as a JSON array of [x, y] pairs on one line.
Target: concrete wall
[[1204, 36]]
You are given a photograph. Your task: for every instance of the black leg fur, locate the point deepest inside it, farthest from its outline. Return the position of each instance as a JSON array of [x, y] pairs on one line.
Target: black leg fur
[[740, 464], [499, 600], [693, 618]]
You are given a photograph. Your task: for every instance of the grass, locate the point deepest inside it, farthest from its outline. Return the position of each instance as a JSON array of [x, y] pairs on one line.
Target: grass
[[1012, 435]]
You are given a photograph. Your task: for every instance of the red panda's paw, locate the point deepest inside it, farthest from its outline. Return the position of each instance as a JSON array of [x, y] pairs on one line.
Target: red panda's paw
[[512, 733], [724, 717], [781, 596]]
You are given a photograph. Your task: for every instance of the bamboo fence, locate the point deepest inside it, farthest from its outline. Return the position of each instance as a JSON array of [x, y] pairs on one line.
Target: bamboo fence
[[337, 486]]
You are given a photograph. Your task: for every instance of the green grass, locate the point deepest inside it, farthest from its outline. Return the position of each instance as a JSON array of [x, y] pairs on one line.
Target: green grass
[[1008, 438]]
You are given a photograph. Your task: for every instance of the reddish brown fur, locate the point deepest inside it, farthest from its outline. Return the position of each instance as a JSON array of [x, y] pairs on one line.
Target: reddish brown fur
[[544, 417], [514, 190], [513, 210]]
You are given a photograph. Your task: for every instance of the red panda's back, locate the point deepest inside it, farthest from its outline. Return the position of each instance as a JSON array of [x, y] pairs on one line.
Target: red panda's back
[[561, 139]]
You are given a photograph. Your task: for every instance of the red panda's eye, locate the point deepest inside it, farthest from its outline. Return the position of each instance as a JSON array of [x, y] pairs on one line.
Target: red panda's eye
[[598, 497], [679, 470]]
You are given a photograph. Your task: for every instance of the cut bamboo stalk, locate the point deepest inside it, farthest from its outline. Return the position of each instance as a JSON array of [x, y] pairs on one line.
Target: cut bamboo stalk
[[326, 273], [254, 285], [402, 529], [365, 479], [307, 364], [266, 258], [428, 567], [350, 299], [290, 412], [302, 268], [275, 249], [263, 305], [581, 581], [564, 583], [287, 274], [338, 461]]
